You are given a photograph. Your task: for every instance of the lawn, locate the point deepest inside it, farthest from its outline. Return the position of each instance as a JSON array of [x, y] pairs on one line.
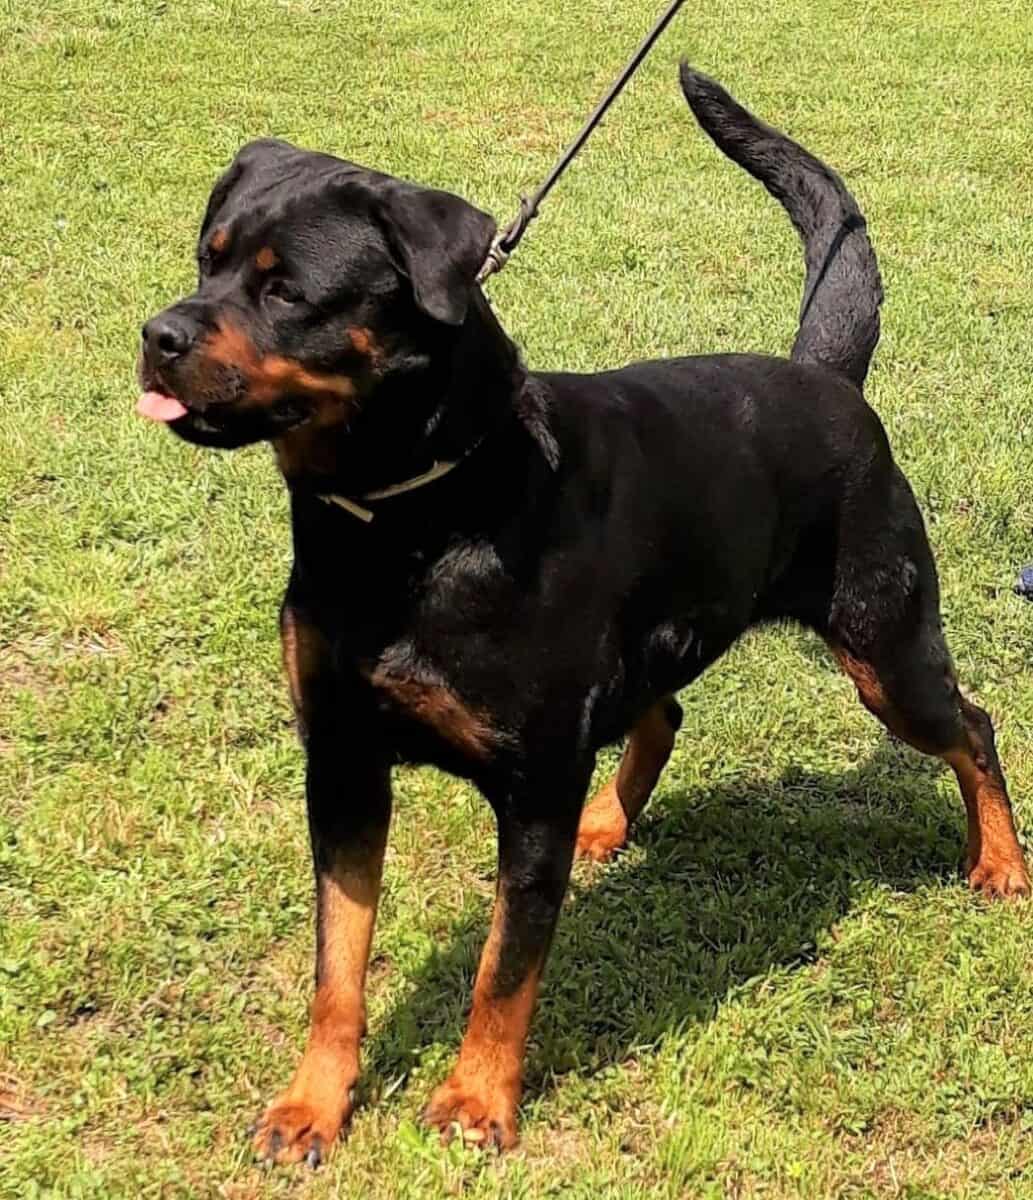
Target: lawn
[[783, 988]]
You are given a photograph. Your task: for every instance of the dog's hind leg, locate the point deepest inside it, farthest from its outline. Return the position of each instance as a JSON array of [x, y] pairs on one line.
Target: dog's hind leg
[[607, 818], [922, 704], [886, 633]]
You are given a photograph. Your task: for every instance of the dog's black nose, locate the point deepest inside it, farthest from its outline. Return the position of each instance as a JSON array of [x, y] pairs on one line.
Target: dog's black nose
[[168, 336]]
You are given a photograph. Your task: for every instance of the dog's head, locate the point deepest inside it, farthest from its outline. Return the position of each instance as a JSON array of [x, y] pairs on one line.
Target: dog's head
[[317, 279]]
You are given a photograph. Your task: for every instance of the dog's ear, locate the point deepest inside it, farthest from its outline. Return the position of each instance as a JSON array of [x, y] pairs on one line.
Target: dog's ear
[[225, 184], [254, 155], [439, 242]]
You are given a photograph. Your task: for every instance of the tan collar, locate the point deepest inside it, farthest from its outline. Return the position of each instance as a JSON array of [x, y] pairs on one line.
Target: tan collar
[[396, 489]]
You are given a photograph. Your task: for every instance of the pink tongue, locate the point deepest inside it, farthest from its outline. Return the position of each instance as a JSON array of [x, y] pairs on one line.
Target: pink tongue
[[159, 407]]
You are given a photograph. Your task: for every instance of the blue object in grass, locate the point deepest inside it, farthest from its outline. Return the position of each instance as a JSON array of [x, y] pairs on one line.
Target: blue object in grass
[[1024, 584]]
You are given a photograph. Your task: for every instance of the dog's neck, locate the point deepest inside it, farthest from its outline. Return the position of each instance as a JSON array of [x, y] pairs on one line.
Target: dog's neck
[[434, 408]]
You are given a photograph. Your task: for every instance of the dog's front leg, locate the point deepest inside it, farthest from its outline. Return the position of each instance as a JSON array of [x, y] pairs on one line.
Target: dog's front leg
[[348, 822], [349, 809], [536, 848]]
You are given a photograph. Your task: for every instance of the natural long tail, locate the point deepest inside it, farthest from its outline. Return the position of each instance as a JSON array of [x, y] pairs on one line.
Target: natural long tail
[[839, 317]]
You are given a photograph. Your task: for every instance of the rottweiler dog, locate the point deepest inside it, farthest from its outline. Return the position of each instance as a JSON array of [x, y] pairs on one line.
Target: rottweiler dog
[[499, 571]]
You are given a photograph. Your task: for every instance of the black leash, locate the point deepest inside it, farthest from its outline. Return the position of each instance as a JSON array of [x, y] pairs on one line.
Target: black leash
[[504, 245], [509, 239]]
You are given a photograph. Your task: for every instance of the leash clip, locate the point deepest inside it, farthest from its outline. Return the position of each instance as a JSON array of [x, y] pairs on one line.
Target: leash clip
[[496, 260], [508, 240], [504, 245]]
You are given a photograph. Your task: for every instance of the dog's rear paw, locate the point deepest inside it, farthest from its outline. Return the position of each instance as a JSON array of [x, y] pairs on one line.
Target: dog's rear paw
[[1000, 881], [599, 848], [296, 1131], [604, 827]]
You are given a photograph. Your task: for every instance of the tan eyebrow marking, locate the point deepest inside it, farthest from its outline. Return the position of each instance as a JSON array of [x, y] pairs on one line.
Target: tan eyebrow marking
[[266, 259], [360, 339], [220, 239], [364, 342]]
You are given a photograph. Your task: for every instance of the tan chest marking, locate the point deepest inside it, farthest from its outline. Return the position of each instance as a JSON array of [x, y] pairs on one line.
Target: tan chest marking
[[440, 709]]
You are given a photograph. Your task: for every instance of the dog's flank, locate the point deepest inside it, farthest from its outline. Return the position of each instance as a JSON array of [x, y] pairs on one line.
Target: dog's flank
[[839, 315]]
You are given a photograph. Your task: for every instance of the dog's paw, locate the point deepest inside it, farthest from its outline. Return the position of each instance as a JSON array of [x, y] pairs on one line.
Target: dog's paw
[[487, 1117], [604, 827], [1000, 881], [293, 1131]]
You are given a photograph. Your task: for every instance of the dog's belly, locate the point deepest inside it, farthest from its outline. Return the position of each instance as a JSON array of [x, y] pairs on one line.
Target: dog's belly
[[657, 663], [676, 651]]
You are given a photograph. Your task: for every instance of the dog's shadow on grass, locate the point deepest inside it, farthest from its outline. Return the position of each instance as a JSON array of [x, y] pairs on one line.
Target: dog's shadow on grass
[[720, 885]]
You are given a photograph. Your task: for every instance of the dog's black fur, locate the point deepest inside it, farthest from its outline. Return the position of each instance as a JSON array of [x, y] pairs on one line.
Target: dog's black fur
[[603, 540]]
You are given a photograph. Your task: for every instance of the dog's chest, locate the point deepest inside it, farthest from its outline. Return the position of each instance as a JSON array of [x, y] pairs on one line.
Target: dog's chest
[[424, 713]]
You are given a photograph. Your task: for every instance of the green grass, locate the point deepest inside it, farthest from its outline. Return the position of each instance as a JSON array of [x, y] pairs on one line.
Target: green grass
[[783, 989]]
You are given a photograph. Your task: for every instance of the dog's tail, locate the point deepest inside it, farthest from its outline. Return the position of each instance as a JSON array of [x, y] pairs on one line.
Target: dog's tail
[[839, 317]]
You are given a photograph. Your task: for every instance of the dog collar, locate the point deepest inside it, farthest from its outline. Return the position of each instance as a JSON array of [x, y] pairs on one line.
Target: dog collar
[[438, 470]]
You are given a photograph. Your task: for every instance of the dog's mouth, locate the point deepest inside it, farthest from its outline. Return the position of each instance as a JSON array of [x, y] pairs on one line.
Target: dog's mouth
[[161, 406], [222, 423], [193, 425], [233, 394], [158, 400]]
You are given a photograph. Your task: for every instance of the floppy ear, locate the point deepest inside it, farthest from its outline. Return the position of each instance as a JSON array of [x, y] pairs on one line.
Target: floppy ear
[[223, 186], [249, 156], [440, 243]]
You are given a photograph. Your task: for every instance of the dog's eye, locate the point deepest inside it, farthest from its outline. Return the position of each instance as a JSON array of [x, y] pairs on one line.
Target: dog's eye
[[284, 291], [204, 263]]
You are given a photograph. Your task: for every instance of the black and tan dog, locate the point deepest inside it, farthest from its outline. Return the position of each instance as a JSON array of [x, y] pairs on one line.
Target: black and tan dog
[[598, 541]]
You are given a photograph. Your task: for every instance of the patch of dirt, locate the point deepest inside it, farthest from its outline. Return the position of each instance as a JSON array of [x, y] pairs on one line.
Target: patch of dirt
[[14, 1104], [30, 664], [94, 643], [898, 1158], [20, 668]]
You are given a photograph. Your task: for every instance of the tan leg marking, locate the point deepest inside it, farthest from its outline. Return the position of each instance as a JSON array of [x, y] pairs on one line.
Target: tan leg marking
[[995, 862], [607, 818], [306, 653], [310, 1114], [871, 693], [482, 1093]]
